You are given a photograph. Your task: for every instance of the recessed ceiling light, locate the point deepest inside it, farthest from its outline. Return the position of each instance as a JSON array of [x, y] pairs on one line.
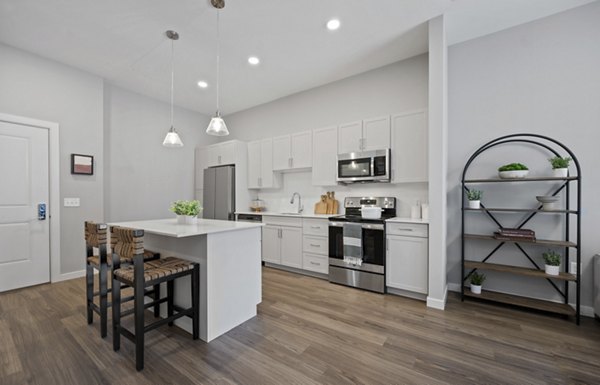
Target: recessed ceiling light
[[333, 24], [253, 60], [202, 84]]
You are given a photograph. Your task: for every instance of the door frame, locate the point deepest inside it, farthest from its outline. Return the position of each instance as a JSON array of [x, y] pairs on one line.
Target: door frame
[[54, 187]]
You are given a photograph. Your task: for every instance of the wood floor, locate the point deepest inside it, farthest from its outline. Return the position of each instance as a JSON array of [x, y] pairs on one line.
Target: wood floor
[[308, 331]]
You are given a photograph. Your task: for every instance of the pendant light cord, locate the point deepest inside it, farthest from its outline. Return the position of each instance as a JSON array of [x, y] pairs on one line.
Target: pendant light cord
[[172, 78], [218, 61]]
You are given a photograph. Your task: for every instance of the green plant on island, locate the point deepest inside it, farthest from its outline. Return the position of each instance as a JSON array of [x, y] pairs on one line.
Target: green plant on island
[[552, 258], [559, 162], [477, 279], [190, 208], [474, 195], [513, 167]]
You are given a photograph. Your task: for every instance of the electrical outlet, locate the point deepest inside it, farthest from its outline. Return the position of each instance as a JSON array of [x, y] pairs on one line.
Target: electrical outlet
[[71, 202], [573, 267]]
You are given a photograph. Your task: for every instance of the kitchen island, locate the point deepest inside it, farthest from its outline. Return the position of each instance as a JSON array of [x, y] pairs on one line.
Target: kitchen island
[[229, 254]]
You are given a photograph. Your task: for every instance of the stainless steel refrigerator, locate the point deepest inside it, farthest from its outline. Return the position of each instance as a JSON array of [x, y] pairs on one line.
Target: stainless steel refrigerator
[[219, 193]]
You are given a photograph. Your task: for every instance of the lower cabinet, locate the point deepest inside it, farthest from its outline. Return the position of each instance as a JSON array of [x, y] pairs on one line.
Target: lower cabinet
[[407, 260]]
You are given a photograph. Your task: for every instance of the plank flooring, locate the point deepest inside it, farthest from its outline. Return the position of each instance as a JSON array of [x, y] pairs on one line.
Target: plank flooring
[[308, 331]]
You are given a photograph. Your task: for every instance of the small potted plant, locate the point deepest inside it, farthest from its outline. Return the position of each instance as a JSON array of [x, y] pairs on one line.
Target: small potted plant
[[186, 211], [552, 260], [476, 282], [513, 171], [560, 166], [474, 197]]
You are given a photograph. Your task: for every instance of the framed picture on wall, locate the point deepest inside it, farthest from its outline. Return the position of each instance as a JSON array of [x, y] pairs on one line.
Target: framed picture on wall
[[82, 164]]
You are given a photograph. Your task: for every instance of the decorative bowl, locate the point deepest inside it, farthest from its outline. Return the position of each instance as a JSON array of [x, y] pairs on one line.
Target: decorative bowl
[[548, 201], [514, 174]]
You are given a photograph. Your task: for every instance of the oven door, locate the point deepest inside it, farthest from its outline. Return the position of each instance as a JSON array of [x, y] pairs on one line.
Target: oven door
[[373, 247]]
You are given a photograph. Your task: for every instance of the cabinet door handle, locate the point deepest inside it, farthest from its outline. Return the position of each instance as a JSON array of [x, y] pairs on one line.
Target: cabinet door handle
[[315, 227], [313, 245], [260, 182], [405, 229], [219, 160], [315, 263]]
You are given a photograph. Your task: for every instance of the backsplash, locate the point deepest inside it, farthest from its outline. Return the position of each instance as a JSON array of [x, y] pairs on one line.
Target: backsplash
[[407, 194]]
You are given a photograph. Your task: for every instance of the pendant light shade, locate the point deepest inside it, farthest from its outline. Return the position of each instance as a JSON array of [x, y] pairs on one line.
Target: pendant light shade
[[172, 139], [217, 126]]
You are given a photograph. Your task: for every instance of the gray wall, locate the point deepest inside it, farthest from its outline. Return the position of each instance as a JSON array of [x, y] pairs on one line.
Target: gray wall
[[540, 77], [398, 87], [38, 88], [142, 176]]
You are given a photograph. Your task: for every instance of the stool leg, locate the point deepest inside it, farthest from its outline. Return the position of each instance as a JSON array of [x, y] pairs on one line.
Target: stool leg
[[139, 318], [195, 301], [103, 300], [89, 279], [156, 298], [116, 314], [170, 298]]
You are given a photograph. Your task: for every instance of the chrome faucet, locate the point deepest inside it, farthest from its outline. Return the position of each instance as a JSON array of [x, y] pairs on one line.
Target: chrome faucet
[[300, 207]]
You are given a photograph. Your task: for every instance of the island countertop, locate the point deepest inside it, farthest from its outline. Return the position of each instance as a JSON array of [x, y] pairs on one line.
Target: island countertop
[[170, 227]]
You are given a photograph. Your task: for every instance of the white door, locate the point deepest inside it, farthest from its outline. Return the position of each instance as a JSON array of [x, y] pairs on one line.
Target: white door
[[410, 147], [302, 150], [254, 167], [24, 239], [324, 169], [376, 133], [407, 263], [350, 137], [291, 247], [271, 244], [282, 157]]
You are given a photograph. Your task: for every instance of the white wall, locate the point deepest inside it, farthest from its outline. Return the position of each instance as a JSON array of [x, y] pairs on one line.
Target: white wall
[[39, 88], [142, 176], [399, 87], [541, 77]]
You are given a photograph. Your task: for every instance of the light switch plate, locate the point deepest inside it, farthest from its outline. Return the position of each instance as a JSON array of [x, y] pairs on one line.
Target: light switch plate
[[71, 202], [573, 268]]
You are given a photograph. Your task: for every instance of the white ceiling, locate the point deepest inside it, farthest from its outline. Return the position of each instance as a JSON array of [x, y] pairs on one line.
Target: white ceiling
[[123, 40]]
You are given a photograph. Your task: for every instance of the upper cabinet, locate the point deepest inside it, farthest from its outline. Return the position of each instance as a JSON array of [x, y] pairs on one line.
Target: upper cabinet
[[260, 164], [201, 160], [292, 151], [221, 154], [324, 151], [410, 147], [365, 135]]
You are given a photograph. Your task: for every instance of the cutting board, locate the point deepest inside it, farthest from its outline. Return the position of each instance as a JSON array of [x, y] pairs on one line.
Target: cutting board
[[321, 206], [329, 202], [335, 204]]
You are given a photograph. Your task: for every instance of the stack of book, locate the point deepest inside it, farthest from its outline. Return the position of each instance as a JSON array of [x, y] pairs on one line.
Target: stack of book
[[515, 234]]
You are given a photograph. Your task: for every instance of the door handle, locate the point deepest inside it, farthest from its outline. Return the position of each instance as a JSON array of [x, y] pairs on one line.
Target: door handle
[[41, 211]]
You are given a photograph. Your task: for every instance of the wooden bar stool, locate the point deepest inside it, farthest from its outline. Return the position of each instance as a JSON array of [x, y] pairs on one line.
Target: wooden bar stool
[[96, 237], [129, 243]]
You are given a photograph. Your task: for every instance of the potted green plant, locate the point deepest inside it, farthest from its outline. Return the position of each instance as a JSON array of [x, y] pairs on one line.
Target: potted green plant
[[513, 171], [476, 282], [552, 260], [560, 166], [186, 211], [474, 197]]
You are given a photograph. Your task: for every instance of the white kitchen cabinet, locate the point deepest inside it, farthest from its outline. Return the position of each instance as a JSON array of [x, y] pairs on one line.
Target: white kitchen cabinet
[[376, 133], [324, 154], [315, 245], [260, 164], [407, 259], [221, 154], [292, 151], [282, 241], [291, 247], [271, 244], [365, 135], [350, 137], [201, 162], [410, 147]]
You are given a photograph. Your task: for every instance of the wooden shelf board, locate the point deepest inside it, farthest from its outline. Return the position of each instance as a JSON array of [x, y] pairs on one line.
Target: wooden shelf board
[[536, 179], [518, 270], [522, 210], [542, 242], [531, 303]]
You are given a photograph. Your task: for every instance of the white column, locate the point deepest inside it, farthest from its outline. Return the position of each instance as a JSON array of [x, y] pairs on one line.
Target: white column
[[438, 162]]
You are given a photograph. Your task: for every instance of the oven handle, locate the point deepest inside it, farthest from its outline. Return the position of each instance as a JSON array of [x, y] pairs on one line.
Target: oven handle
[[367, 226]]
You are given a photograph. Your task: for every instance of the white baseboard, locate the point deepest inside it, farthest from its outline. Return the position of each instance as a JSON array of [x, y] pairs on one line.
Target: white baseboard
[[71, 275], [437, 303]]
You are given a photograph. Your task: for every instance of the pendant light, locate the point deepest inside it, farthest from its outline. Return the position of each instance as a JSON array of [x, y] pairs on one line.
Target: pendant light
[[172, 139], [217, 125]]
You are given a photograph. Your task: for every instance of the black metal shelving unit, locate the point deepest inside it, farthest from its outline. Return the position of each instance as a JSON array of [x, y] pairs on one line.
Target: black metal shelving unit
[[570, 214]]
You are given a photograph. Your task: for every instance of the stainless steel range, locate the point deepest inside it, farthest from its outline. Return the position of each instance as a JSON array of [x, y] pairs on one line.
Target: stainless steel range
[[357, 245]]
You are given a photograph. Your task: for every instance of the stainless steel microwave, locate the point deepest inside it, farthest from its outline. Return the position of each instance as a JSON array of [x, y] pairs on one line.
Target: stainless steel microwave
[[363, 167]]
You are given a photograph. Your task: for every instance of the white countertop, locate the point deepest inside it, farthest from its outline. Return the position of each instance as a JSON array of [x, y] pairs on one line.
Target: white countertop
[[407, 220], [276, 214], [171, 228]]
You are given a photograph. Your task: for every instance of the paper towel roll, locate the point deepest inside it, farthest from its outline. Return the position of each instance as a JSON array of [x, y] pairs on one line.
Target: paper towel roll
[[425, 211], [415, 212]]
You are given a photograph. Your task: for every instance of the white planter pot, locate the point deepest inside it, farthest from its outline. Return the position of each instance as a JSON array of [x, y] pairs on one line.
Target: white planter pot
[[186, 220], [474, 204], [552, 270], [475, 289], [516, 174], [560, 172]]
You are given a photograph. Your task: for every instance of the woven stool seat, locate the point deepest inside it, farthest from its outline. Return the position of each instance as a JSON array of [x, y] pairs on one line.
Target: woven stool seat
[[148, 255], [155, 269]]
